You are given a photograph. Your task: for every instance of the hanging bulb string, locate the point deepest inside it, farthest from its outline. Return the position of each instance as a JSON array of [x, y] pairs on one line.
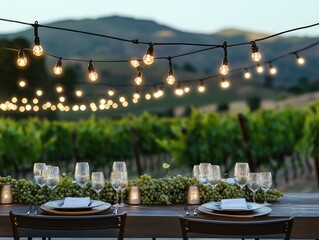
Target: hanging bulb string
[[225, 60]]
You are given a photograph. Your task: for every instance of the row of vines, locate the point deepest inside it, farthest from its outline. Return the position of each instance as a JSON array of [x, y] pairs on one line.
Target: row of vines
[[273, 136]]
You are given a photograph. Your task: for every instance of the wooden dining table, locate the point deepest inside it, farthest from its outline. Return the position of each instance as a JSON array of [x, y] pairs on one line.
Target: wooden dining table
[[147, 221]]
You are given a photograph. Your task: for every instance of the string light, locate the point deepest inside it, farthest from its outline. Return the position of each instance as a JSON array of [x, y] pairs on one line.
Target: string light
[[122, 99], [62, 99], [14, 99], [201, 87], [79, 93], [37, 49], [58, 67], [135, 100], [24, 100], [272, 69], [300, 60], [125, 104], [35, 101], [136, 94], [148, 96], [22, 60], [186, 89], [148, 58], [160, 91], [114, 105], [135, 63], [59, 89], [179, 91], [39, 92], [109, 102], [110, 92], [247, 74], [223, 70], [224, 83], [259, 68], [170, 79], [93, 76], [22, 83], [138, 80], [255, 54]]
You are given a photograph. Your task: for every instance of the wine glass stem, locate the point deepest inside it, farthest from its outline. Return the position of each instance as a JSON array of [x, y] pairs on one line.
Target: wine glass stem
[[254, 197], [265, 194], [122, 200], [241, 192]]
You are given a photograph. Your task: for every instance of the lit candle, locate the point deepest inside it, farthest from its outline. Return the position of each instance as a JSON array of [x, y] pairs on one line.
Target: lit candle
[[193, 195], [6, 194], [135, 195]]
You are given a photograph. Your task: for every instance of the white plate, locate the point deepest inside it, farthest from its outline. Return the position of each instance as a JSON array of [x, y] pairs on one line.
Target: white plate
[[215, 206], [101, 207], [57, 205], [259, 212]]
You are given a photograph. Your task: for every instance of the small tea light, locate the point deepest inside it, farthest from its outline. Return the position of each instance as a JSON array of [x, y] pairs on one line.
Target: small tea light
[[6, 194], [135, 195], [193, 195]]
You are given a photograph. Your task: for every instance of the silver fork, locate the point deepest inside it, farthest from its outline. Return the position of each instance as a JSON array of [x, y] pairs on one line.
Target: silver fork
[[186, 210], [194, 212], [30, 209]]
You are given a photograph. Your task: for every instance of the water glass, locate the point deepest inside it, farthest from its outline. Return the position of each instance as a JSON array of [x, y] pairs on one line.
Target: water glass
[[119, 167], [123, 185], [115, 179], [215, 176], [53, 176], [204, 172], [195, 172], [39, 174], [82, 173]]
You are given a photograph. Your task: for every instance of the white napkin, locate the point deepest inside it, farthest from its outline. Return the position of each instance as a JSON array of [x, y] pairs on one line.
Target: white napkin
[[236, 203], [76, 202]]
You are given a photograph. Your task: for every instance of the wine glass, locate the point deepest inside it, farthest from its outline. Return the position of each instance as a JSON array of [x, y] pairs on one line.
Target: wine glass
[[39, 174], [253, 183], [204, 172], [98, 182], [53, 177], [82, 174], [123, 185], [265, 184], [195, 172], [241, 175], [115, 179], [215, 176], [119, 167]]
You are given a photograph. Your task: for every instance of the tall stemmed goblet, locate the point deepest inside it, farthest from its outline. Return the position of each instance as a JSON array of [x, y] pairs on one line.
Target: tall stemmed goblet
[[120, 166], [82, 174], [204, 172], [98, 182], [241, 175], [39, 175], [53, 177], [253, 183], [265, 184], [195, 172], [115, 179]]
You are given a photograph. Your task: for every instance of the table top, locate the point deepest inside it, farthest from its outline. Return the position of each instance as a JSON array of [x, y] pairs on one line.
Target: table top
[[147, 221]]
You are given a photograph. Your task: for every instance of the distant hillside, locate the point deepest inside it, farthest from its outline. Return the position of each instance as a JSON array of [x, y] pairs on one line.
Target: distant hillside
[[68, 44]]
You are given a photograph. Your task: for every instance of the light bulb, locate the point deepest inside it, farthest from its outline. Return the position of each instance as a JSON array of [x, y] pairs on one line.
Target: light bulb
[[22, 83], [148, 58], [223, 70], [62, 99], [93, 76], [59, 89], [179, 91], [110, 92], [186, 89], [201, 87], [39, 92], [170, 79], [148, 96], [247, 75], [259, 68], [135, 100], [135, 63], [272, 70], [22, 60], [79, 93], [38, 50], [300, 60], [58, 67], [136, 95], [255, 55], [122, 99], [138, 80], [160, 92], [224, 83]]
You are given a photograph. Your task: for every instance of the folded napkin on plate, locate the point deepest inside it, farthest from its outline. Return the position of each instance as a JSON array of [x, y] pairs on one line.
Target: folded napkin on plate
[[236, 203], [76, 202]]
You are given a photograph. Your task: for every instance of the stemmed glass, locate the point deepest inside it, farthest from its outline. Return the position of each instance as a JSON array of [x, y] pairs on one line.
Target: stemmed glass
[[215, 176], [204, 172], [195, 172], [98, 182], [39, 175], [241, 175], [265, 184], [120, 167], [115, 179], [82, 174], [253, 183], [53, 177]]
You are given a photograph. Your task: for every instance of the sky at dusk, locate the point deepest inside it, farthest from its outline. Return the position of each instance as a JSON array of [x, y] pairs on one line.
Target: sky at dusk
[[204, 16]]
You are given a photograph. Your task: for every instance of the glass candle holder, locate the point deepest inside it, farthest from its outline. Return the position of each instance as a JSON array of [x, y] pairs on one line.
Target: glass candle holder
[[193, 195], [135, 195], [6, 194]]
